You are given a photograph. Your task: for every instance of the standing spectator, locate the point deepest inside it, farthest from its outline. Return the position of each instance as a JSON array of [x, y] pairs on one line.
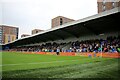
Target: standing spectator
[[58, 51]]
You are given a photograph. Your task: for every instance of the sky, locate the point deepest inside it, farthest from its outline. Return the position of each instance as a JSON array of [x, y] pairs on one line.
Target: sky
[[37, 14]]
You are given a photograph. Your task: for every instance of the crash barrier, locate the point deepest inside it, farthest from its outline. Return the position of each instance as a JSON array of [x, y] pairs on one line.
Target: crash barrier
[[67, 53], [54, 53], [51, 53], [40, 52], [29, 52], [109, 55]]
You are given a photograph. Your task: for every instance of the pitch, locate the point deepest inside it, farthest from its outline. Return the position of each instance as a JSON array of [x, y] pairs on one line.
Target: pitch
[[21, 65]]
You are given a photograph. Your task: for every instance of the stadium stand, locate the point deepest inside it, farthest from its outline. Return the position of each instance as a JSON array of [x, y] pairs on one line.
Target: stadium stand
[[111, 44], [95, 34]]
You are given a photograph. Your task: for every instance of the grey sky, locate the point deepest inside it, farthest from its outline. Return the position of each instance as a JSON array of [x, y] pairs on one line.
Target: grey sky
[[37, 14]]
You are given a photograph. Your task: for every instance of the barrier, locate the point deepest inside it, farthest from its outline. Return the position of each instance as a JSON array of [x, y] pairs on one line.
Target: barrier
[[61, 53], [109, 55], [51, 53], [29, 52], [83, 54], [40, 52], [67, 53], [91, 54]]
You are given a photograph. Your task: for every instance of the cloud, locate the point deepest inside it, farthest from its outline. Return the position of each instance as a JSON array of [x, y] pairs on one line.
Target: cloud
[[31, 14]]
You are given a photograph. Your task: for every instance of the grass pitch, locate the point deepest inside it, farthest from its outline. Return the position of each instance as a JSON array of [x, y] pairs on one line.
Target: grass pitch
[[20, 65]]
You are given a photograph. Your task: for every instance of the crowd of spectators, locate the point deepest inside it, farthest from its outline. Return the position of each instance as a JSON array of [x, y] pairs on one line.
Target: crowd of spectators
[[47, 47], [111, 44]]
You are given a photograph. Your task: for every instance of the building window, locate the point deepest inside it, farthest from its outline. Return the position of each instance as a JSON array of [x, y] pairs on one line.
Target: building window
[[12, 38], [113, 4], [104, 2], [36, 31], [61, 21], [8, 38], [104, 8]]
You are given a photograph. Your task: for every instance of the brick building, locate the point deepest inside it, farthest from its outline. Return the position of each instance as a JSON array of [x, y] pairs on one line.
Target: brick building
[[59, 20], [8, 34], [36, 31], [104, 5]]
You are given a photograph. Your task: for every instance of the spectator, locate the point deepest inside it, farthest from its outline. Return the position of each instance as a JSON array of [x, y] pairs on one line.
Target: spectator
[[58, 51]]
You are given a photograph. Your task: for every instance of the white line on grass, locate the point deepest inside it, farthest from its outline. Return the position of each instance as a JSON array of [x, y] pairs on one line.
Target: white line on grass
[[35, 63]]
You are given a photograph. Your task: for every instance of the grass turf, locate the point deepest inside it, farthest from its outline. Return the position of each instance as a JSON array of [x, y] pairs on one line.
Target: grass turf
[[19, 65]]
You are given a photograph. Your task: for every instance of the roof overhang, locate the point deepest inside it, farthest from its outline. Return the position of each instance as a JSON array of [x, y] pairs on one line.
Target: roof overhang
[[96, 24]]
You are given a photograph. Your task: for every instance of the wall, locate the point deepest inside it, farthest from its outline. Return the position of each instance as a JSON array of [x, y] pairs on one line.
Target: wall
[[9, 38], [56, 21], [107, 4], [105, 55]]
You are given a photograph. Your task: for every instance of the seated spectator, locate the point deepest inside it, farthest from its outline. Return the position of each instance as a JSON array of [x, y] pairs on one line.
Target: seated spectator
[[111, 45]]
